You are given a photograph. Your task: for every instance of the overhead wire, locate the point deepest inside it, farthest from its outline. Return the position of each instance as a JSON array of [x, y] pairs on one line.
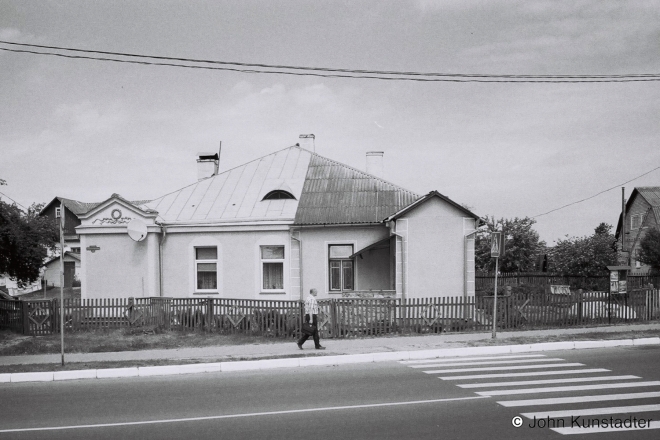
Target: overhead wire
[[326, 71], [595, 195]]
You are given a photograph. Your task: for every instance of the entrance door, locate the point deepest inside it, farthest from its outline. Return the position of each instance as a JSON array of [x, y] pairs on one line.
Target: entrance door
[[69, 271]]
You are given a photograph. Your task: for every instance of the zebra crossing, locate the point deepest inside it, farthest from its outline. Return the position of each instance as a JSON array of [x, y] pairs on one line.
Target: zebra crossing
[[568, 397]]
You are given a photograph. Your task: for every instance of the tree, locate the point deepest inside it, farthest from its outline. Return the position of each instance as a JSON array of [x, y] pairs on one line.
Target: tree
[[649, 252], [584, 256], [522, 245], [24, 240]]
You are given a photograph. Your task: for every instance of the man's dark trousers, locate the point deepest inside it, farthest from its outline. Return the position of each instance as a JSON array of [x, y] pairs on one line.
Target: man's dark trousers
[[302, 340]]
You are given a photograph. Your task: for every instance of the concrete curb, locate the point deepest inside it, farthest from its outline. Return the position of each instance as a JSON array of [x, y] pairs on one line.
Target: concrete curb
[[267, 364]]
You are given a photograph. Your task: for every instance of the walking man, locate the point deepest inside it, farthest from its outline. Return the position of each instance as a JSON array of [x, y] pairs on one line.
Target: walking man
[[311, 311]]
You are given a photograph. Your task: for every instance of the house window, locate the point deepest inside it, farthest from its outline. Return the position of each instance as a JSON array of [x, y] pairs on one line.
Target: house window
[[206, 268], [272, 268], [341, 267], [278, 194], [58, 212], [75, 249], [636, 221]]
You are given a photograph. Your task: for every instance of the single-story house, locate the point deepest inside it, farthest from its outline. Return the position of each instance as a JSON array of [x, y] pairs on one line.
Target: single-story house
[[276, 227], [51, 270]]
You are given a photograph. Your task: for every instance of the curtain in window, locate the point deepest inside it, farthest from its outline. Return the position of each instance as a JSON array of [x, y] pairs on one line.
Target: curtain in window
[[273, 276], [347, 269], [207, 276]]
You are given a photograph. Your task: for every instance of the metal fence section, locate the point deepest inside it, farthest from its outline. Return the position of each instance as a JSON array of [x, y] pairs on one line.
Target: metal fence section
[[338, 318]]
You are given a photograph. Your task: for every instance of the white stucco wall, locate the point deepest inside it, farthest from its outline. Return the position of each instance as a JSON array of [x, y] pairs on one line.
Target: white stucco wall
[[434, 250], [315, 242], [239, 264], [118, 270]]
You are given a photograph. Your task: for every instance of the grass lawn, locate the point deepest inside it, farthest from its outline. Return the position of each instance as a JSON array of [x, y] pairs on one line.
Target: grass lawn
[[96, 341]]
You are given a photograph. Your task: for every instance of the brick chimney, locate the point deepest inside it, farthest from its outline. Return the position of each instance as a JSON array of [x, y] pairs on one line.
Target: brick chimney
[[308, 142], [375, 163], [207, 165]]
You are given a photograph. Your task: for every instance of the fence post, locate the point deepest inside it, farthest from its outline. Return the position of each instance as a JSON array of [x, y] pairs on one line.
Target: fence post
[[209, 314], [25, 316]]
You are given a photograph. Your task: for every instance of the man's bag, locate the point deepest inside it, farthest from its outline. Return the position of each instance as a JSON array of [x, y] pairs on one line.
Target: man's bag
[[308, 329]]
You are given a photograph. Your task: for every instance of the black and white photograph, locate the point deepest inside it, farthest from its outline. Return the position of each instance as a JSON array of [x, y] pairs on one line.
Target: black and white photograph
[[336, 219]]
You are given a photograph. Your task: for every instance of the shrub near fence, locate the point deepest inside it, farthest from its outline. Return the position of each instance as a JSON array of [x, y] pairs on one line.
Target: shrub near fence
[[339, 318]]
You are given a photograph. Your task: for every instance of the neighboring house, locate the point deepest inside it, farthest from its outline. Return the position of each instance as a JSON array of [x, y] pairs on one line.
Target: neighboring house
[[72, 209], [51, 270], [275, 227], [642, 213]]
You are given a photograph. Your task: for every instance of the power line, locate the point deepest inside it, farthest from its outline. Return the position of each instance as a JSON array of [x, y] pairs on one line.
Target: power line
[[13, 200], [604, 191], [327, 72]]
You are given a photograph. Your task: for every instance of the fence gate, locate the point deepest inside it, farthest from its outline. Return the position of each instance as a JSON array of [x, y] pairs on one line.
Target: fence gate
[[38, 317]]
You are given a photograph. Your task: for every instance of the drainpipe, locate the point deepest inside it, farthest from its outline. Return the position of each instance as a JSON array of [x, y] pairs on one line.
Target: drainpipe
[[160, 259], [300, 268]]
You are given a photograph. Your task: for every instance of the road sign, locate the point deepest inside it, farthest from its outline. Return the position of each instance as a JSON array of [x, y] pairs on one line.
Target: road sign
[[495, 244]]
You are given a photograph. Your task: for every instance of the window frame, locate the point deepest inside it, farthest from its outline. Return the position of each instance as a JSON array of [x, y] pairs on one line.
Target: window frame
[[263, 261], [341, 261], [278, 192], [205, 261]]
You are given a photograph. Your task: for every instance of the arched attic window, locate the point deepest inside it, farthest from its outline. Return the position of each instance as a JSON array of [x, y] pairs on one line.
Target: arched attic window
[[278, 194]]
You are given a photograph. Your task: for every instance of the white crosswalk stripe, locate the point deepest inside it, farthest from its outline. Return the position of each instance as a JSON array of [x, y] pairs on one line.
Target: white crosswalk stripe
[[525, 374], [514, 361], [592, 411], [603, 386], [564, 379], [579, 399], [472, 358], [548, 381], [511, 367]]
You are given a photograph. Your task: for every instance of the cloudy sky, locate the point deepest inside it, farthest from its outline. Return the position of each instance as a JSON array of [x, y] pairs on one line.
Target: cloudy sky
[[86, 129]]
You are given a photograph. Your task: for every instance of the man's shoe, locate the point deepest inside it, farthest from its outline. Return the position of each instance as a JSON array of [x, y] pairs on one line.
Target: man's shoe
[[299, 345], [320, 348]]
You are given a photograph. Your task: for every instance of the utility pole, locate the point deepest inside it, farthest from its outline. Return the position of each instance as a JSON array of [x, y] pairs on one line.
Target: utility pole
[[623, 223], [496, 249], [62, 278]]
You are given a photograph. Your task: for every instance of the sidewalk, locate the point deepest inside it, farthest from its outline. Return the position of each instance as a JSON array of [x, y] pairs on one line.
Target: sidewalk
[[334, 347]]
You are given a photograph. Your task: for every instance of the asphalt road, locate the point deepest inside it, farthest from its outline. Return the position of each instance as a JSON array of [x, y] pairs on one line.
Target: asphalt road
[[424, 400]]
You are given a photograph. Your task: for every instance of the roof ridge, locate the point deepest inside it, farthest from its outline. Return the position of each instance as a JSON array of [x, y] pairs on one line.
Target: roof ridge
[[366, 174], [226, 171]]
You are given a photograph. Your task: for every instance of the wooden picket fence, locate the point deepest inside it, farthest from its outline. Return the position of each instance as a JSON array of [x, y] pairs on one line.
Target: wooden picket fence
[[338, 318], [486, 281]]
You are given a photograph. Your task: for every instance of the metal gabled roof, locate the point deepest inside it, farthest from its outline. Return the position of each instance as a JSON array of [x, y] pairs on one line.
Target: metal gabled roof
[[237, 194], [335, 193]]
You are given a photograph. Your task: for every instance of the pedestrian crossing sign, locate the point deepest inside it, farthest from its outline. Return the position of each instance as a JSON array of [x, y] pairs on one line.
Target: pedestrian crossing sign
[[495, 244]]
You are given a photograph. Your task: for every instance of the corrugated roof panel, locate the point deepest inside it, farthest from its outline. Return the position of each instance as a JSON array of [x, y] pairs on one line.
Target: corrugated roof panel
[[335, 193], [199, 190], [217, 182]]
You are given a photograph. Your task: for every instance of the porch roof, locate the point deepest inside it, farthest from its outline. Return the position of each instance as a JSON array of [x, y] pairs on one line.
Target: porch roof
[[381, 244]]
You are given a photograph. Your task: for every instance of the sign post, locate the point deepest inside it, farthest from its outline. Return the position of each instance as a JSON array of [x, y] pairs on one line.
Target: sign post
[[62, 278], [495, 251]]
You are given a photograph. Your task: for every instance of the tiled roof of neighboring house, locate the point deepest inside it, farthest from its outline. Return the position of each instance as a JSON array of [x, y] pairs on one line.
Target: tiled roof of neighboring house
[[80, 208], [74, 255], [650, 193], [237, 194], [335, 193]]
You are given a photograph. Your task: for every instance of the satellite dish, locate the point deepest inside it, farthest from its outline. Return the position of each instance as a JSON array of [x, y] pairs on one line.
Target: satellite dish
[[137, 229]]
